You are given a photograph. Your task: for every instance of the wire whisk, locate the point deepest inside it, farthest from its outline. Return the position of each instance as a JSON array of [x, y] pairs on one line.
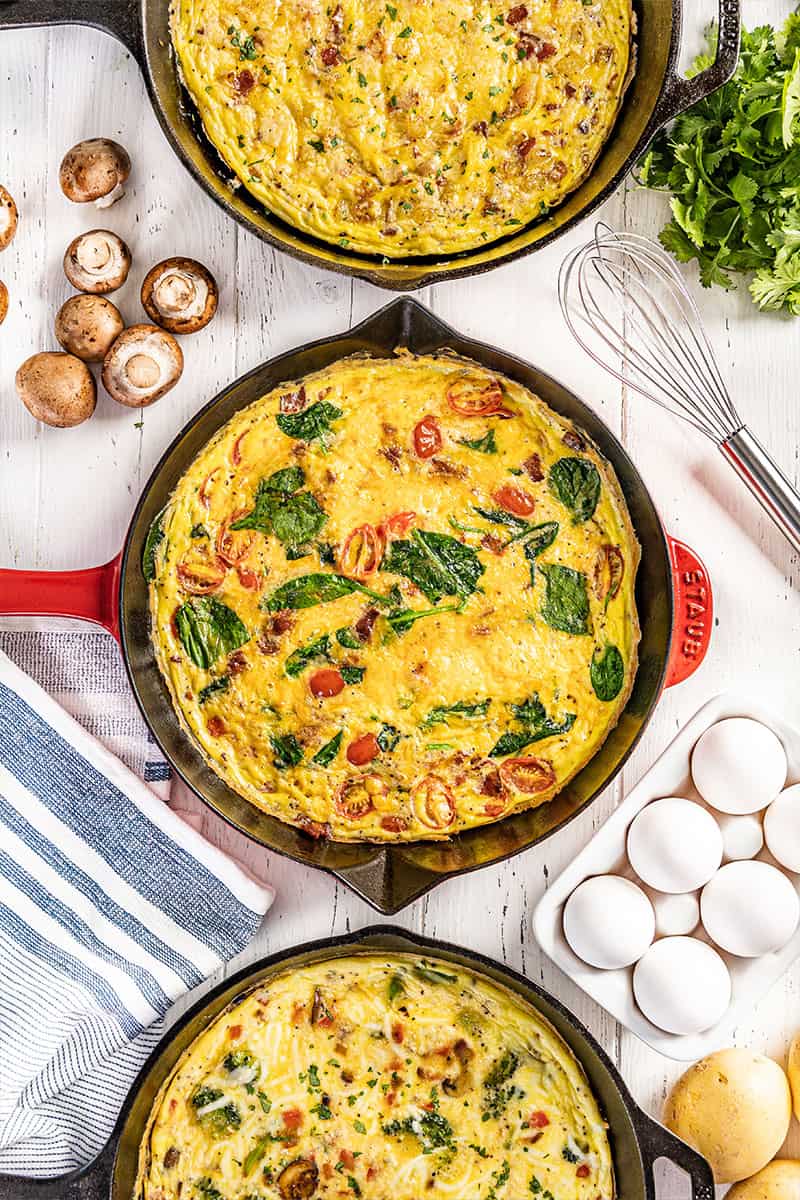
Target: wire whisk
[[626, 303]]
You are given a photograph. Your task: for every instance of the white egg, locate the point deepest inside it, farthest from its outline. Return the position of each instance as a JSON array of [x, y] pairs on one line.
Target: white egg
[[739, 766], [674, 845], [749, 908], [608, 921], [782, 828], [682, 985], [742, 836], [675, 914]]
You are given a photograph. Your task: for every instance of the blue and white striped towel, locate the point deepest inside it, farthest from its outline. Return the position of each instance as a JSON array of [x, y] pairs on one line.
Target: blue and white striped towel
[[111, 908]]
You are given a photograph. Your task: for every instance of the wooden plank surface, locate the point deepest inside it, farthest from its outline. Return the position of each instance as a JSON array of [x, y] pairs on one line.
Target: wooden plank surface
[[66, 496]]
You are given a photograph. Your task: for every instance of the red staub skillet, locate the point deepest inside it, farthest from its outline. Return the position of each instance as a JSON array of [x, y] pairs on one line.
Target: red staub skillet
[[673, 597], [637, 1141], [656, 94]]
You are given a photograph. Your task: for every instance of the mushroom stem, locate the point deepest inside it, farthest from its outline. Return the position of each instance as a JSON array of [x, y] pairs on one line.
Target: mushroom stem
[[97, 262], [180, 295]]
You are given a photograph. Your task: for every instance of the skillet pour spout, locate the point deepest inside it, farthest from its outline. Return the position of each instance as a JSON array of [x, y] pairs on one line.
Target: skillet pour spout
[[637, 1141], [656, 94]]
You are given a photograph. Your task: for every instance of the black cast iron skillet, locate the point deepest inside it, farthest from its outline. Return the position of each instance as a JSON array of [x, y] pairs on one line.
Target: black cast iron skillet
[[656, 94], [637, 1141], [672, 585]]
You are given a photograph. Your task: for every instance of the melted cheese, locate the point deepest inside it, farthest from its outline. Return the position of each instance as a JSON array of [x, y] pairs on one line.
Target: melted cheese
[[432, 773], [384, 1078], [412, 128]]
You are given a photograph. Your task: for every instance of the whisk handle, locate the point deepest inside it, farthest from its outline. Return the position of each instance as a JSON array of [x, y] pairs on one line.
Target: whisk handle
[[680, 93], [766, 481]]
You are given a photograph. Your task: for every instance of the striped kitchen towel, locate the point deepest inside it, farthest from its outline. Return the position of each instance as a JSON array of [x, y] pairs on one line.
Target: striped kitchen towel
[[111, 909]]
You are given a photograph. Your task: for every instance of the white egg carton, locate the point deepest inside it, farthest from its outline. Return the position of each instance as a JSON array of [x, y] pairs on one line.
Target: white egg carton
[[606, 854]]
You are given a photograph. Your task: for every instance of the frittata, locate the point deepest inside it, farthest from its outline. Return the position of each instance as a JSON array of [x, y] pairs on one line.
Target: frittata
[[410, 128], [382, 1078], [395, 599]]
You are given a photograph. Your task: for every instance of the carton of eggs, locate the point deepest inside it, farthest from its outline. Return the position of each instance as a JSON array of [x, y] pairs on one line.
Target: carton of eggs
[[686, 904]]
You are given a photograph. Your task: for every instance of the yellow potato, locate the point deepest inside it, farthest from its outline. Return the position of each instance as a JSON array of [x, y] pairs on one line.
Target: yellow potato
[[779, 1180], [793, 1071], [734, 1107]]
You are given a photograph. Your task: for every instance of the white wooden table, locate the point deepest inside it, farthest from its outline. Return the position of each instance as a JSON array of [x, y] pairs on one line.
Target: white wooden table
[[66, 495]]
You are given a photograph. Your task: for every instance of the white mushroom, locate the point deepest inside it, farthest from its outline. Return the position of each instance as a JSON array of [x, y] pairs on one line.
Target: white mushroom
[[8, 217], [142, 364], [3, 302], [97, 262], [95, 169], [180, 295], [87, 325], [57, 389]]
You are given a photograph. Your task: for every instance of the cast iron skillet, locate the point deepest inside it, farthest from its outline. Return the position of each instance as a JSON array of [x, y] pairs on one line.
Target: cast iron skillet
[[671, 583], [637, 1141], [656, 94]]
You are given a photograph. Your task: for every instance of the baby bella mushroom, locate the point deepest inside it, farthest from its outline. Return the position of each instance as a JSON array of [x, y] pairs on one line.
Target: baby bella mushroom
[[57, 389], [97, 262], [143, 363], [180, 295], [3, 301], [87, 325], [8, 218], [95, 169]]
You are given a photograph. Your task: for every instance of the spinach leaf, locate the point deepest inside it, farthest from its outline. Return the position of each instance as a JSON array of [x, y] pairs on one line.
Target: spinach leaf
[[318, 588], [388, 737], [287, 750], [208, 629], [607, 672], [293, 516], [401, 619], [499, 516], [217, 685], [462, 708], [284, 482], [298, 519], [293, 553], [299, 659], [155, 536], [438, 564], [198, 531], [345, 637], [486, 444], [543, 536], [327, 753], [534, 725], [566, 602], [352, 674], [576, 483], [311, 424], [327, 553]]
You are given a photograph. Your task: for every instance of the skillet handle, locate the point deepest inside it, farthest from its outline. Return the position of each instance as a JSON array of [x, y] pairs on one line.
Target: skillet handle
[[680, 93], [90, 595], [656, 1142], [120, 18], [693, 617], [89, 1183]]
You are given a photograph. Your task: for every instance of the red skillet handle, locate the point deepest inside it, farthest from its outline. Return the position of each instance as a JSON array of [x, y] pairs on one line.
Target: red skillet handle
[[693, 618], [90, 594]]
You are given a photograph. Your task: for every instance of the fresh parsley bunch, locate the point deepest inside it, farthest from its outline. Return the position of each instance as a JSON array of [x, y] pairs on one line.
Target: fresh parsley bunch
[[732, 164]]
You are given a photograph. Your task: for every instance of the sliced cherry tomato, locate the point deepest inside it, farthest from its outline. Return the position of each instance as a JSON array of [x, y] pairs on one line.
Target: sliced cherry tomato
[[538, 1120], [398, 525], [394, 824], [236, 450], [347, 1159], [433, 802], [514, 500], [361, 553], [233, 545], [583, 1171], [363, 750], [248, 579], [608, 572], [495, 809], [292, 1118], [474, 396], [356, 796], [199, 576], [205, 487], [528, 775], [325, 683], [427, 437]]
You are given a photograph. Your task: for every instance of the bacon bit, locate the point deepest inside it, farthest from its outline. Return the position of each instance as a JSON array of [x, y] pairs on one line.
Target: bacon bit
[[372, 1172], [363, 750], [327, 1171], [525, 146], [534, 47], [216, 726], [393, 455], [569, 90], [398, 1034], [494, 544], [492, 784], [441, 466], [391, 1097], [533, 468], [293, 402], [171, 1158], [173, 1104], [292, 1118], [516, 14], [346, 1076], [314, 829], [557, 171], [267, 645], [427, 437], [394, 824], [533, 1138], [234, 1032], [482, 128], [330, 56], [538, 1120], [347, 1159], [243, 82], [248, 579], [574, 440], [365, 624], [583, 1171], [237, 663]]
